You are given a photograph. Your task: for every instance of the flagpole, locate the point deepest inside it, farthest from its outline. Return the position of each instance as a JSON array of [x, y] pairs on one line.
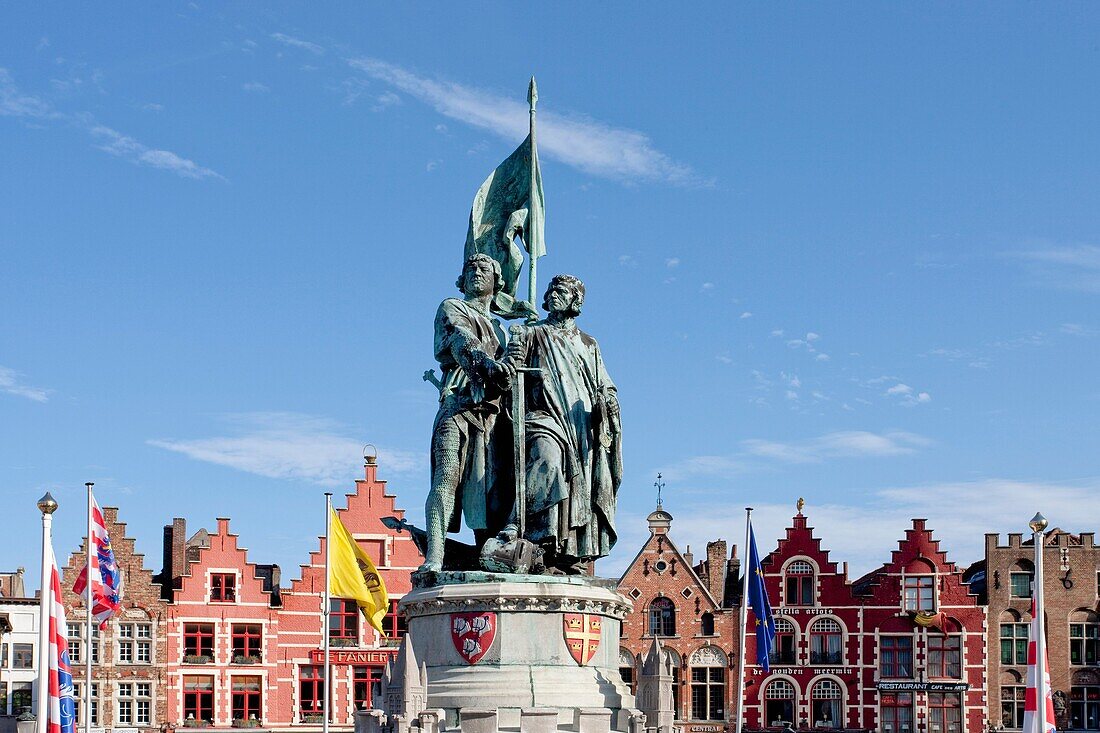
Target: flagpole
[[1038, 524], [532, 286], [88, 641], [47, 505], [324, 614], [744, 622]]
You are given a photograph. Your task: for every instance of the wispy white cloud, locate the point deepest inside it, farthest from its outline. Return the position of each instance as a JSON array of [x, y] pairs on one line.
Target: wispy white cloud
[[1068, 267], [701, 467], [586, 144], [745, 314], [959, 512], [840, 444], [672, 262], [385, 100], [124, 146], [14, 103], [908, 396], [10, 383], [290, 446], [293, 42], [256, 87]]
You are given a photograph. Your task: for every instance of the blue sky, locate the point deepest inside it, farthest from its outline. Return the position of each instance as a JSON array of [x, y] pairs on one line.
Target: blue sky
[[850, 253]]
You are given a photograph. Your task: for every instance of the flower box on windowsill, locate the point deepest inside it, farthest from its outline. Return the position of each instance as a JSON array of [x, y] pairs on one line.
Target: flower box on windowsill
[[197, 659], [242, 659], [242, 723], [193, 723], [313, 718], [388, 641], [340, 641]]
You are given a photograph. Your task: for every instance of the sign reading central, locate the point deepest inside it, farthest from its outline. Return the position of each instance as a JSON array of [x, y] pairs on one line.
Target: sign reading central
[[473, 634], [582, 635]]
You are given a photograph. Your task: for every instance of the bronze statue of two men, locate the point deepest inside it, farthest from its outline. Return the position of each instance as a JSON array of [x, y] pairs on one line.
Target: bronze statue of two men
[[572, 457]]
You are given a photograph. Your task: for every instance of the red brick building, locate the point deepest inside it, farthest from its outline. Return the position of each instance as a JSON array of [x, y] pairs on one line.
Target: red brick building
[[243, 652], [816, 666], [128, 657], [688, 607]]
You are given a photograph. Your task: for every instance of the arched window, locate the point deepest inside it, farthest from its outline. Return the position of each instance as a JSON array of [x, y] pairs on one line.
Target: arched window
[[708, 684], [1020, 579], [827, 698], [706, 624], [779, 703], [674, 661], [626, 667], [1014, 633], [1084, 638], [662, 617], [826, 642], [783, 650], [800, 583]]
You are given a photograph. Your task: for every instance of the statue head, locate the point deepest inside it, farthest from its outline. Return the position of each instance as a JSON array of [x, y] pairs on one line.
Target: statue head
[[564, 296], [477, 272]]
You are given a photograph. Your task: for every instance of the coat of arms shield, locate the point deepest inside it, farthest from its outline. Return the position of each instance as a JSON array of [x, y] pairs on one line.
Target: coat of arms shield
[[473, 634], [582, 635]]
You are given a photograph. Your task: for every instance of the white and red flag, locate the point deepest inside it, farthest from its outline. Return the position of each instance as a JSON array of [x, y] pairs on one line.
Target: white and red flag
[[106, 578], [60, 706], [1033, 722]]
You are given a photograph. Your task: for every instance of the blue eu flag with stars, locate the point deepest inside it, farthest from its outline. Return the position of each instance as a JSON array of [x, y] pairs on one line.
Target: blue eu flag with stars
[[761, 608]]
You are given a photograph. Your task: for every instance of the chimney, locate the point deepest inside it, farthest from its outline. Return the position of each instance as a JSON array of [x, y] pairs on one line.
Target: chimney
[[716, 564], [732, 589], [174, 557], [689, 558]]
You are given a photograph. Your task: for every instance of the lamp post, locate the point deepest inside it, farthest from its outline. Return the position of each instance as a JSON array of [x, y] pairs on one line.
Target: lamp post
[[47, 505], [1038, 524]]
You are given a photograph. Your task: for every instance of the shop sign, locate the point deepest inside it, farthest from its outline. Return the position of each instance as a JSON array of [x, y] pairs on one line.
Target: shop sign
[[352, 656], [923, 686]]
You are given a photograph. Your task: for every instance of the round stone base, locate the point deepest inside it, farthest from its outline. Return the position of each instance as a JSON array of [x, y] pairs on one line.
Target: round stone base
[[511, 642]]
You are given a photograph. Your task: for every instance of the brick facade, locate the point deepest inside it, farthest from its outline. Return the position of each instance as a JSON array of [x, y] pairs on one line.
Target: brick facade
[[1071, 594], [128, 677], [688, 608], [209, 675]]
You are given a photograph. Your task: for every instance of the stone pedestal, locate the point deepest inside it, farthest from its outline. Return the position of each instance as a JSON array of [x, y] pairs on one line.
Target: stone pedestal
[[519, 660]]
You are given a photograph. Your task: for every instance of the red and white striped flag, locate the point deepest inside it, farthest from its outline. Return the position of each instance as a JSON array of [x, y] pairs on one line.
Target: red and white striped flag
[[1032, 721], [106, 578], [60, 706]]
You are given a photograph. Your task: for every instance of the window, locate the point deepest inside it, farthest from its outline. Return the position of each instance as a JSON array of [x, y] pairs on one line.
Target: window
[[708, 693], [247, 643], [945, 656], [662, 617], [246, 698], [395, 624], [626, 667], [706, 624], [311, 689], [1020, 583], [134, 703], [779, 703], [1084, 708], [343, 621], [223, 587], [198, 698], [21, 697], [4, 698], [366, 683], [917, 594], [198, 641], [895, 654], [826, 698], [783, 651], [1012, 707], [800, 584], [78, 690], [75, 644], [1084, 640], [945, 712], [896, 712], [135, 645], [22, 656], [825, 642], [1014, 643]]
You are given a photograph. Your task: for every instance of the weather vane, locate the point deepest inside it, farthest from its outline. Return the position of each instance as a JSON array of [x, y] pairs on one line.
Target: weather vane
[[660, 485]]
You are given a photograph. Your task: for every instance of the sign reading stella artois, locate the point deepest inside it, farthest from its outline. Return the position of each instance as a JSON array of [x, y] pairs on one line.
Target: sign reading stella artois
[[473, 634], [582, 635]]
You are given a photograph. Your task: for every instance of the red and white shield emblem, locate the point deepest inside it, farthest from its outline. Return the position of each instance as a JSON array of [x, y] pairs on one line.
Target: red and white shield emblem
[[473, 634], [582, 635]]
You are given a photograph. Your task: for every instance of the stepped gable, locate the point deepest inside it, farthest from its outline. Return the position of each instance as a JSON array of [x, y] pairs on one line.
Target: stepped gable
[[919, 551], [800, 540], [221, 551]]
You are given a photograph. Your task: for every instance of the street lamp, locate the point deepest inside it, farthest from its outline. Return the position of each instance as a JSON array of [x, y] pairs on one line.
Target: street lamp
[[1038, 523]]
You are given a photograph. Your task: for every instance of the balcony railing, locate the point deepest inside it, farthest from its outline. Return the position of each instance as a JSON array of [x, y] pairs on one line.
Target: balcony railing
[[826, 657]]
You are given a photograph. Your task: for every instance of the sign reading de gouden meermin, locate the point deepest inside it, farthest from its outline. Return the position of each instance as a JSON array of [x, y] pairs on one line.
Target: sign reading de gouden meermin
[[582, 635]]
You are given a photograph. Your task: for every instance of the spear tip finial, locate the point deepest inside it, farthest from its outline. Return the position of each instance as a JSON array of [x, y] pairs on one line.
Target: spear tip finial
[[532, 92]]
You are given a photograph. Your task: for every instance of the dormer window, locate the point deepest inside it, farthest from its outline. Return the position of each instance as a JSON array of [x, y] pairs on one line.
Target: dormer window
[[800, 583], [918, 595]]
